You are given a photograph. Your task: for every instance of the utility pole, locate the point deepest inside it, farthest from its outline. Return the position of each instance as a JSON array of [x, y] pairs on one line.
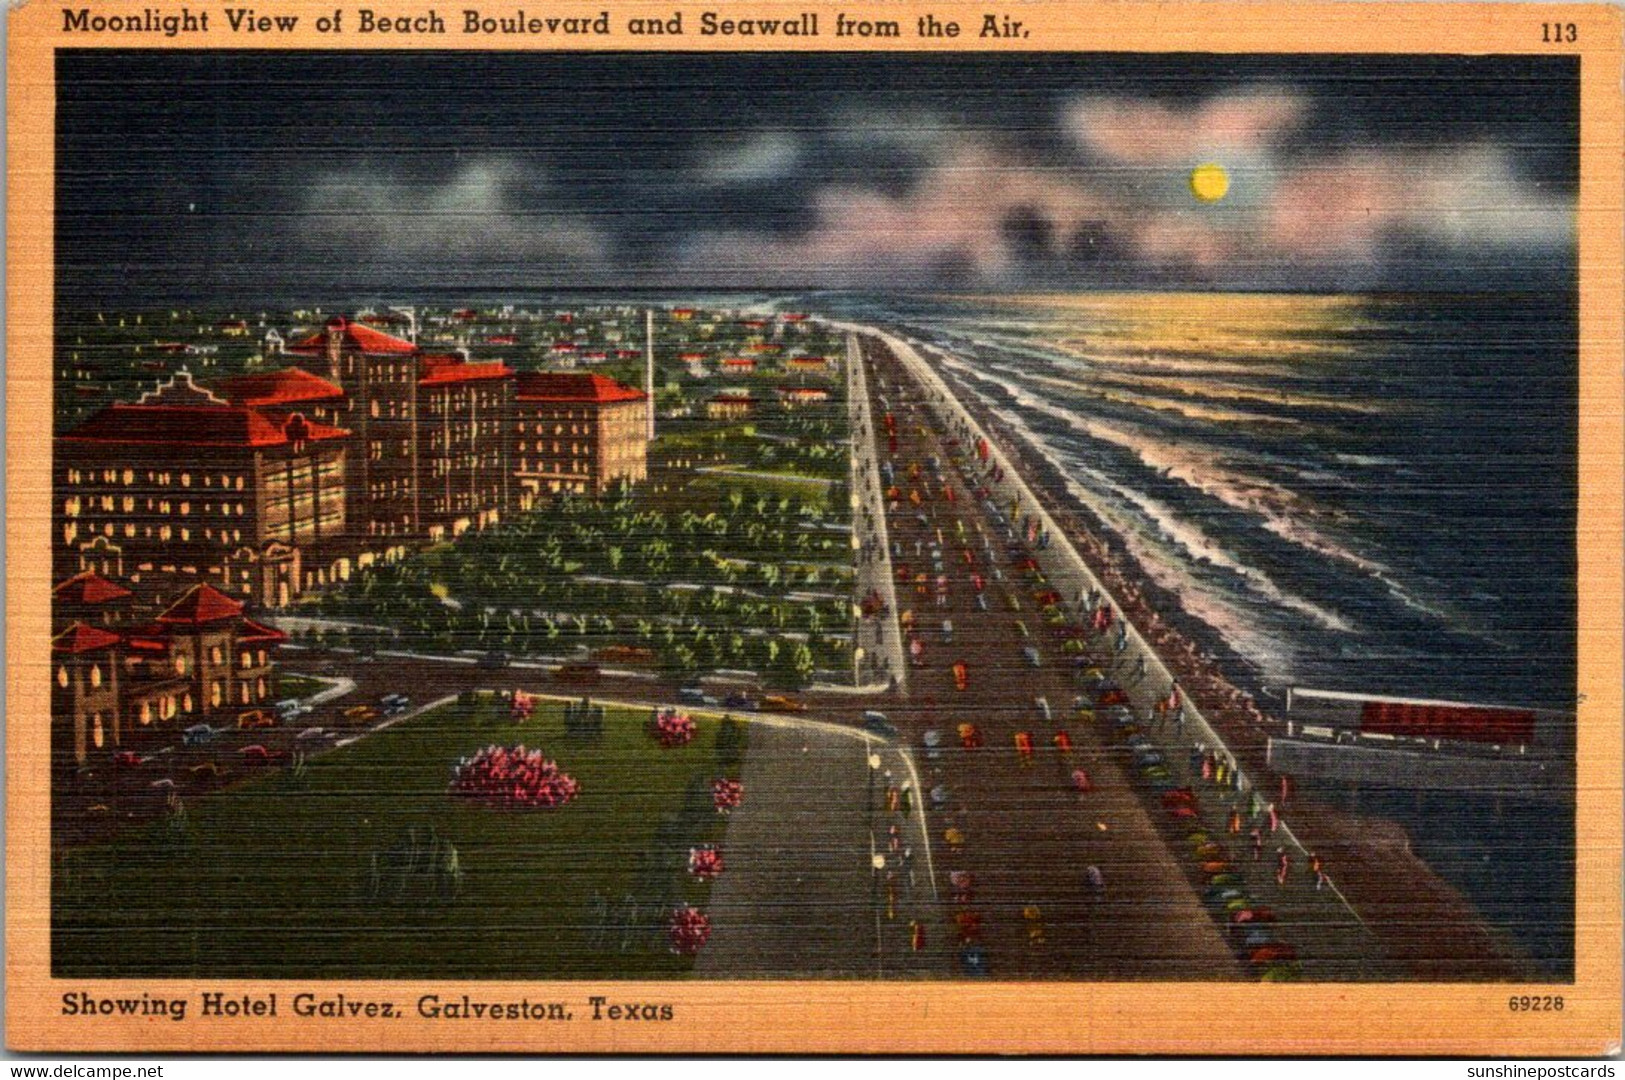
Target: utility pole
[[649, 365]]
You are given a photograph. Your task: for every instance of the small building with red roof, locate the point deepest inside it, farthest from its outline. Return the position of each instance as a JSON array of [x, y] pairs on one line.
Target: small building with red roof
[[577, 432], [730, 406], [795, 397], [118, 685]]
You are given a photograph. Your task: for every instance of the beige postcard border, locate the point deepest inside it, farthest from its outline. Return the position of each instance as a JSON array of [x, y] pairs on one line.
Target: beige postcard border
[[857, 1016]]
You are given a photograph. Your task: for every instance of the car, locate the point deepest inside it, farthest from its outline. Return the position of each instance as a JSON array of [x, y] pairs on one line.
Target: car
[[878, 724], [973, 961], [693, 695], [1273, 953], [494, 660], [981, 602], [288, 706], [1015, 604], [1031, 654], [198, 735], [207, 769], [315, 736], [1219, 895], [127, 759], [738, 699], [255, 754], [1021, 630], [947, 631], [1042, 705], [970, 737], [961, 676], [394, 704], [577, 673], [780, 703], [255, 718], [361, 713]]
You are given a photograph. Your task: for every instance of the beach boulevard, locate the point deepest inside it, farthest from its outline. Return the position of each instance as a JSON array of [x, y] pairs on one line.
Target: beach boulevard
[[1375, 911]]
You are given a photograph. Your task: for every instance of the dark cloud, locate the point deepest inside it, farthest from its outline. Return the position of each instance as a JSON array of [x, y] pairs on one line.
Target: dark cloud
[[276, 176]]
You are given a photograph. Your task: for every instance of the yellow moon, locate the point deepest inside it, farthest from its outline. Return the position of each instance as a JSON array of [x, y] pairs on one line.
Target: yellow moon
[[1209, 182]]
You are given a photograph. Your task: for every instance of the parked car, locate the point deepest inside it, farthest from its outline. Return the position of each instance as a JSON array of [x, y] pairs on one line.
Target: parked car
[[879, 724], [198, 735], [361, 713], [255, 718], [256, 754], [313, 737], [287, 706], [127, 759], [1042, 704], [738, 699], [394, 704], [780, 703], [1031, 654], [577, 673], [961, 676], [947, 631]]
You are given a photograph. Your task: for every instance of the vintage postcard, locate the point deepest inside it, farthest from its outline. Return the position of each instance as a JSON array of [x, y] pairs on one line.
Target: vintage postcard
[[810, 527]]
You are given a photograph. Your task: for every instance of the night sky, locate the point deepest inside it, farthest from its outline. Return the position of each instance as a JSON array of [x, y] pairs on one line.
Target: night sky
[[222, 177]]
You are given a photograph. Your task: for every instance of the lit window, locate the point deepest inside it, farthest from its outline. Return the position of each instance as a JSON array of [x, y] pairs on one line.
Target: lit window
[[62, 677]]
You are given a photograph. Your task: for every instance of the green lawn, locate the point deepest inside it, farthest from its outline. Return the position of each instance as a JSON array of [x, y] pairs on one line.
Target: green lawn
[[275, 878], [289, 685]]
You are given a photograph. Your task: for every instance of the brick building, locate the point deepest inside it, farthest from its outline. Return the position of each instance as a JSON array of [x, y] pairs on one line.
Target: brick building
[[577, 433], [431, 454], [183, 487], [118, 680]]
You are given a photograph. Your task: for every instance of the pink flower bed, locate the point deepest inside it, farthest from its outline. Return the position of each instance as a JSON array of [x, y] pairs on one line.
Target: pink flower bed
[[726, 795], [513, 778], [689, 931], [673, 728], [705, 862]]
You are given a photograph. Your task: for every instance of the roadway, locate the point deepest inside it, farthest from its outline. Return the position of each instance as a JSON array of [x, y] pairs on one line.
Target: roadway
[[1010, 821]]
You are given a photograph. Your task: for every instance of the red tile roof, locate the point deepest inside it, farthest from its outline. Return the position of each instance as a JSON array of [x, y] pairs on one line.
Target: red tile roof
[[573, 386], [734, 399], [282, 387], [149, 639], [356, 336], [89, 588], [253, 631], [195, 425], [201, 604], [80, 638], [439, 370]]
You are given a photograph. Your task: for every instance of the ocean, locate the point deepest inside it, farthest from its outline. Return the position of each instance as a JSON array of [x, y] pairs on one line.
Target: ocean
[[1363, 493]]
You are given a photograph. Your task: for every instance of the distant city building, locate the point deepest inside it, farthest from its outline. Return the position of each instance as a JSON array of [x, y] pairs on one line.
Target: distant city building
[[730, 406], [795, 397], [577, 433]]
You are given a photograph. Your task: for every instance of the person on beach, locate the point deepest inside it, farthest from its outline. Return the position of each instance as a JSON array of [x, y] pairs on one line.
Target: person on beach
[[1317, 868]]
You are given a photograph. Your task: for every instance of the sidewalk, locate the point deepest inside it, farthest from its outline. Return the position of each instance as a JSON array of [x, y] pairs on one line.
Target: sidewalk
[[880, 638]]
